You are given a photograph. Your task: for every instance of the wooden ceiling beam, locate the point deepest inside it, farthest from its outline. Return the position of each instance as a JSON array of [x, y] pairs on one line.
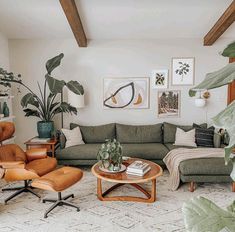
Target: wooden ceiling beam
[[72, 15], [227, 18]]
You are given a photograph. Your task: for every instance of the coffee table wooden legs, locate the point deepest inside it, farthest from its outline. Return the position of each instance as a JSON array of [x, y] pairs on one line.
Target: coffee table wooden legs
[[150, 197]]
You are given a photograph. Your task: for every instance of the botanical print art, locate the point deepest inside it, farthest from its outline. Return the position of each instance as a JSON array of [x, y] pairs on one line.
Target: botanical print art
[[169, 103], [182, 71], [130, 93], [160, 79]]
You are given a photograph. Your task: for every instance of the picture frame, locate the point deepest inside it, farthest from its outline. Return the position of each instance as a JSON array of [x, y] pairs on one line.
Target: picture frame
[[182, 71], [159, 79], [169, 103], [126, 93]]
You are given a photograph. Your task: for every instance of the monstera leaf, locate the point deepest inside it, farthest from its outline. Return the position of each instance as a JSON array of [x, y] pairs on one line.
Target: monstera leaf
[[229, 51], [53, 63], [29, 98], [226, 120], [55, 86], [216, 79], [75, 87], [202, 215]]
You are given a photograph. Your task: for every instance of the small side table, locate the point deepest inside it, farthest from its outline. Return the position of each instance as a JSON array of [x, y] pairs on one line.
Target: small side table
[[50, 145]]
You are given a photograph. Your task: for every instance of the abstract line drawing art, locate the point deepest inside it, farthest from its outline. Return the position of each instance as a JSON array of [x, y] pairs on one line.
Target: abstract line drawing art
[[126, 93]]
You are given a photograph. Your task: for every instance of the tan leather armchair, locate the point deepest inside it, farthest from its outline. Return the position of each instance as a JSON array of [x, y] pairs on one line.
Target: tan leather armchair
[[18, 165]]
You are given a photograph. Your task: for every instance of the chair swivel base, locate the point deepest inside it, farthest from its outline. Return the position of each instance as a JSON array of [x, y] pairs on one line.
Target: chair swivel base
[[59, 202], [25, 188]]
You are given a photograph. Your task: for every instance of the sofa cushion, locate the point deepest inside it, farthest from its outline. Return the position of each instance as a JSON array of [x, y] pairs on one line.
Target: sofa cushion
[[82, 152], [171, 146], [205, 137], [205, 166], [150, 151], [139, 134], [169, 131], [96, 134]]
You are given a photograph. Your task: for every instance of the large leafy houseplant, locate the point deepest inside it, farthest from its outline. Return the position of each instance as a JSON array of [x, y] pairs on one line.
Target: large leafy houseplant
[[110, 155], [44, 105], [200, 214]]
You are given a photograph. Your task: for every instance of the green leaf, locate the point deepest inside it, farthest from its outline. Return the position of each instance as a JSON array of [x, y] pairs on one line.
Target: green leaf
[[55, 86], [224, 76], [53, 105], [229, 51], [29, 99], [30, 112], [65, 108], [53, 63], [226, 120], [202, 215], [75, 87], [231, 208]]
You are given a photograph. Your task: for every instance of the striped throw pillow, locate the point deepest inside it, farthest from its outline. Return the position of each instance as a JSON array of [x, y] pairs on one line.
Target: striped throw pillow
[[205, 137]]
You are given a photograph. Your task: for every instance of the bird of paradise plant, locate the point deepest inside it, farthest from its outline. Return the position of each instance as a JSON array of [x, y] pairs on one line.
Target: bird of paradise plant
[[45, 105]]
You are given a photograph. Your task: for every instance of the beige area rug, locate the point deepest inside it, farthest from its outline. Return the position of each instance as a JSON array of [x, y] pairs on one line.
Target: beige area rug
[[25, 213]]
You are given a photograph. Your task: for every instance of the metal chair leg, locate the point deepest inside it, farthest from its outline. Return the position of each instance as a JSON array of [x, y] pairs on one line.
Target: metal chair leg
[[60, 201], [25, 188], [71, 205], [11, 189], [68, 196], [57, 203], [31, 191], [14, 195]]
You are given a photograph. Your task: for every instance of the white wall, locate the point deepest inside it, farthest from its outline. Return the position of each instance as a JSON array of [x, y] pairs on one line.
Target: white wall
[[4, 52], [115, 59]]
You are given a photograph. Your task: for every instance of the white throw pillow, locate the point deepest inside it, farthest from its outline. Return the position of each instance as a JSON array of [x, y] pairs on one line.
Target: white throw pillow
[[183, 138], [73, 137]]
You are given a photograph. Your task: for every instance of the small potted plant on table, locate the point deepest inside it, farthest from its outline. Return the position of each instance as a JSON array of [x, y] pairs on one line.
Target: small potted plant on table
[[110, 155]]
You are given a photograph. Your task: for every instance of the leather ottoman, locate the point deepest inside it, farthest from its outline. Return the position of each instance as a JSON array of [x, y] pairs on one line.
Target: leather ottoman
[[58, 181]]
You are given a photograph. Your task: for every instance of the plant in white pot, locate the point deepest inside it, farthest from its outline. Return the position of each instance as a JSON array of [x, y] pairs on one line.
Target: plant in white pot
[[45, 104], [110, 155]]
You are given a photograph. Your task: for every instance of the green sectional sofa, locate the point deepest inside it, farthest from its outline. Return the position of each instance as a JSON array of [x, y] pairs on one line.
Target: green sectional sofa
[[150, 142]]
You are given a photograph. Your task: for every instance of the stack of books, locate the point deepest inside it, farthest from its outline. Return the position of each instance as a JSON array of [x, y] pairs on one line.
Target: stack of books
[[138, 168]]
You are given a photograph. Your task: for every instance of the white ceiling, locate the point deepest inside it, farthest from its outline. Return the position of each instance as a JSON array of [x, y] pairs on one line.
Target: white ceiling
[[113, 19], [27, 19]]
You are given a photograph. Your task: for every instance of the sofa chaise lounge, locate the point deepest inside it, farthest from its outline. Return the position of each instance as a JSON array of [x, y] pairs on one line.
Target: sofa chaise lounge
[[151, 142]]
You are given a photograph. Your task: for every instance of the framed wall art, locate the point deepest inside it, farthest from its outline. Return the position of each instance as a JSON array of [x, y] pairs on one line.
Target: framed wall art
[[182, 72], [169, 103], [160, 79], [126, 93]]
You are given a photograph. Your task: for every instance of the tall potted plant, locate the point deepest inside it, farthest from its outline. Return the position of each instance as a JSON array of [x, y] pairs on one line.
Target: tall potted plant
[[44, 105], [201, 214]]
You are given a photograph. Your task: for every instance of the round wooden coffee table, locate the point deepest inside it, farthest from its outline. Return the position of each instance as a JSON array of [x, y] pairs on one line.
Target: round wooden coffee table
[[123, 178]]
